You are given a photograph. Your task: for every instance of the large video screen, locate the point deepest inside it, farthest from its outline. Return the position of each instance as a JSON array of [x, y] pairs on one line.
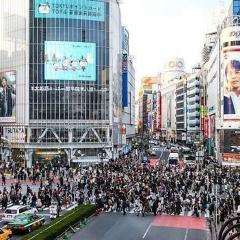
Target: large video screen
[[231, 84], [70, 61], [7, 96], [231, 146], [70, 9]]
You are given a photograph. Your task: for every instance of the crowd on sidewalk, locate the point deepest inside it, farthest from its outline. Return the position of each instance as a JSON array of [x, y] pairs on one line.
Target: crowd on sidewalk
[[125, 185]]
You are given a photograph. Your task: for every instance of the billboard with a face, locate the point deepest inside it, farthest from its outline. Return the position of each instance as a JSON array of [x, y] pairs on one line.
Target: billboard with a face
[[7, 96], [231, 73]]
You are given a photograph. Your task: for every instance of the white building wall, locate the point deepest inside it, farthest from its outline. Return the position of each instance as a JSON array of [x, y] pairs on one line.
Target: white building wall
[[13, 51], [173, 70]]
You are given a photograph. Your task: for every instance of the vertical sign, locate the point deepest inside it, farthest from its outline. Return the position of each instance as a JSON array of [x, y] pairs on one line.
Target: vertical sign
[[125, 80]]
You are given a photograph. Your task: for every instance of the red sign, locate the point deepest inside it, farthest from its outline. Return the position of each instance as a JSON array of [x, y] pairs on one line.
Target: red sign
[[206, 127], [231, 157]]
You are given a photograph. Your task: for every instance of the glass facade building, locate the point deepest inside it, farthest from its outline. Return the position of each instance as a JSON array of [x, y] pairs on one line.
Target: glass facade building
[[66, 56]]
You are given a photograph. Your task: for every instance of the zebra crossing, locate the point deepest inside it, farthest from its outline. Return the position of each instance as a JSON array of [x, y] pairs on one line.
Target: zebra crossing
[[183, 213]]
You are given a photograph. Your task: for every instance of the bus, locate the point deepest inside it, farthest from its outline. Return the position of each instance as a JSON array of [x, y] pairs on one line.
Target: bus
[[173, 159]]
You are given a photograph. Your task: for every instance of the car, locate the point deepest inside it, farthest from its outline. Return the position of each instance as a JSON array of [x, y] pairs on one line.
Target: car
[[145, 159], [235, 149], [5, 234], [173, 159], [174, 149], [26, 222], [152, 153], [13, 211], [190, 160]]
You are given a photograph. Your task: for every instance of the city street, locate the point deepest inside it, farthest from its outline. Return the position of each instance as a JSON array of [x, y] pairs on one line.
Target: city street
[[130, 227]]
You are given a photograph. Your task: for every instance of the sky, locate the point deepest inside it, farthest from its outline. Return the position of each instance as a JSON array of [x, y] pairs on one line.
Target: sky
[[163, 29]]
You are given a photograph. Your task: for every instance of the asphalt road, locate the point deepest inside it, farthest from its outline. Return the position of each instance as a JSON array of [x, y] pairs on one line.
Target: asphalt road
[[162, 153], [109, 226]]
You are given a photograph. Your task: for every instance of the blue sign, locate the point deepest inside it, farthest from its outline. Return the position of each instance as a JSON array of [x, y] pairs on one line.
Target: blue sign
[[73, 9], [125, 80], [70, 61]]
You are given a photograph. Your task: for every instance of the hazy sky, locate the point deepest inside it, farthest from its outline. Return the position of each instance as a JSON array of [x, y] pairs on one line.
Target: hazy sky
[[162, 29]]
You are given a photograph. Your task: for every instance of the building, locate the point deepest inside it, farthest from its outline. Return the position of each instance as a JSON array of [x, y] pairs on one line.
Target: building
[[222, 123], [173, 70], [181, 112], [65, 80], [128, 95], [145, 103], [193, 106]]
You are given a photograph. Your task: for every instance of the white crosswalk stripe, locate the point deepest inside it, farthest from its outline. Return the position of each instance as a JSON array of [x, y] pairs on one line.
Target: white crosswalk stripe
[[183, 213]]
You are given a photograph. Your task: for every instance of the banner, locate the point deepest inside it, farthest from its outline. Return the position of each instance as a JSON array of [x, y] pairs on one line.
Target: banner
[[7, 96], [70, 9], [70, 61]]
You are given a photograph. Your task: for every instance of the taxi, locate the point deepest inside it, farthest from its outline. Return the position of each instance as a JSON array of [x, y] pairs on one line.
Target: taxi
[[5, 234], [26, 222]]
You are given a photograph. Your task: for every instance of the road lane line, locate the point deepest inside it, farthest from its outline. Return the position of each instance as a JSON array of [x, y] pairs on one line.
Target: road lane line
[[146, 231], [161, 153], [186, 234]]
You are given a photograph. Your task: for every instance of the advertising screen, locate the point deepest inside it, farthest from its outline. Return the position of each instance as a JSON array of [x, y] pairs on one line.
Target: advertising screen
[[231, 147], [232, 84], [70, 61], [70, 9], [231, 73], [7, 96]]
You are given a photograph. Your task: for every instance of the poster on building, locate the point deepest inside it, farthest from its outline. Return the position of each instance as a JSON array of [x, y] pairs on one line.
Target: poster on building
[[70, 9], [232, 84], [231, 73], [14, 134], [231, 147], [7, 96], [70, 61]]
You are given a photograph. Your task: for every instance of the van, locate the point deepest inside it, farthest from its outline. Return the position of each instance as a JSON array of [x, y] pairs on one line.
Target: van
[[173, 159]]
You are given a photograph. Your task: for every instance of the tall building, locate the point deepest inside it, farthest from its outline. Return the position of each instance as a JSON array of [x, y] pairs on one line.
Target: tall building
[[173, 70], [222, 123], [193, 106], [62, 66], [181, 128], [145, 103], [128, 94]]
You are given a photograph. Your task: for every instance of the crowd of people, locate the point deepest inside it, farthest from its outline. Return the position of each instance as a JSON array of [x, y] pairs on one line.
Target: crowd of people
[[126, 185]]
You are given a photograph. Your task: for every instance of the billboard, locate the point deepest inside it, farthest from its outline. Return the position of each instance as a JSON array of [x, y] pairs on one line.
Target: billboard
[[14, 134], [231, 146], [125, 80], [231, 73], [7, 96], [69, 61], [70, 9]]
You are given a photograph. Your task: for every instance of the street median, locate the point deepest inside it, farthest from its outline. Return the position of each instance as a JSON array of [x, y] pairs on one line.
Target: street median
[[59, 225]]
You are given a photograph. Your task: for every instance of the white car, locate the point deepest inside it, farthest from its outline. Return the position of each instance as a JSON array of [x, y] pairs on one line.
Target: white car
[[13, 211]]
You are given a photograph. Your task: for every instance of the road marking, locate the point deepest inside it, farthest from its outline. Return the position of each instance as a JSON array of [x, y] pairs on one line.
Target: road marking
[[186, 234], [72, 207], [146, 231], [163, 150]]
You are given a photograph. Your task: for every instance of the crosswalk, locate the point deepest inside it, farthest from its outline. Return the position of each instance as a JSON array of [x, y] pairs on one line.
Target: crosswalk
[[183, 213]]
